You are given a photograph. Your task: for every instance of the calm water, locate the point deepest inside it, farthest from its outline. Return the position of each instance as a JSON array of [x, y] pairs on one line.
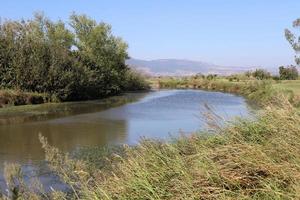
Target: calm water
[[117, 120]]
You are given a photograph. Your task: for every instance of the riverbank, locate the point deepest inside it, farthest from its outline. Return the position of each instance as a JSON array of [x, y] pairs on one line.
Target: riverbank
[[258, 91], [16, 98], [10, 98], [246, 160]]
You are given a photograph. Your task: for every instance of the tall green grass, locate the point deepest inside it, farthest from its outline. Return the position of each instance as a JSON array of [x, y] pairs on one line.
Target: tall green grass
[[246, 160]]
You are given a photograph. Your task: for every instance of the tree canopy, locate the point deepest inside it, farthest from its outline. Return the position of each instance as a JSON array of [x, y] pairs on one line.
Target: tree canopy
[[288, 73], [80, 59], [294, 40]]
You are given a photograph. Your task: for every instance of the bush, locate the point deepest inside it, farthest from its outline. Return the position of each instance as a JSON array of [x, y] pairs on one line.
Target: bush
[[134, 80], [12, 97], [261, 74], [211, 76], [276, 78], [288, 73], [233, 78]]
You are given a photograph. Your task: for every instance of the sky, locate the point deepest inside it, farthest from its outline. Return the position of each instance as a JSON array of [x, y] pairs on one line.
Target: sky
[[246, 33]]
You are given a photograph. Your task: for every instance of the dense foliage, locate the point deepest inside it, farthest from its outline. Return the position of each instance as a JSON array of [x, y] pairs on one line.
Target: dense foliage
[[261, 74], [78, 60], [14, 97], [288, 73]]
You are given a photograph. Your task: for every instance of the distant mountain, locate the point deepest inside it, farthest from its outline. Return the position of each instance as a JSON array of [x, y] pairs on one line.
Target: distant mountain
[[180, 67]]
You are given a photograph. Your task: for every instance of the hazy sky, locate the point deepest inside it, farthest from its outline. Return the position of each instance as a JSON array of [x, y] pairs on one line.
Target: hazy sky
[[224, 32]]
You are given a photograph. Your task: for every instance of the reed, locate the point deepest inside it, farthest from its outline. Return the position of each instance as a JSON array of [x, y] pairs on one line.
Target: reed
[[246, 160]]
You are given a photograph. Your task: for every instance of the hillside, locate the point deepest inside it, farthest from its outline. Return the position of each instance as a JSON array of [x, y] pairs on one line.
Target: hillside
[[181, 67]]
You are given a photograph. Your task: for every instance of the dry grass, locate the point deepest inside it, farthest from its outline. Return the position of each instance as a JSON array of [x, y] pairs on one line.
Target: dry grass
[[293, 85], [258, 91], [247, 160]]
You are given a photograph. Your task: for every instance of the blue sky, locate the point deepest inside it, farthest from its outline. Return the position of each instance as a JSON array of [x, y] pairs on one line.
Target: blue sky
[[224, 32]]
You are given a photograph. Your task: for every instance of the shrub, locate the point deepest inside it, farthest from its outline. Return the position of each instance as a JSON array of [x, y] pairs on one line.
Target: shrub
[[234, 78], [261, 74], [134, 80], [12, 97], [276, 78], [288, 73], [211, 76]]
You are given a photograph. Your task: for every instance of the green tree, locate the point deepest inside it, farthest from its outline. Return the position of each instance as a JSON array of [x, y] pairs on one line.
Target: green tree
[[102, 53], [211, 76], [294, 40], [261, 74], [288, 73], [81, 61]]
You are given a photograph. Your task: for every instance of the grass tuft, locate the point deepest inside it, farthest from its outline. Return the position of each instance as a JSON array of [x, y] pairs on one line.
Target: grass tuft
[[247, 160]]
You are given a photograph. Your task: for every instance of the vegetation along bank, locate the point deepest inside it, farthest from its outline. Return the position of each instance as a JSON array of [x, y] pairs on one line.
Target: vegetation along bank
[[245, 160], [257, 86], [42, 60]]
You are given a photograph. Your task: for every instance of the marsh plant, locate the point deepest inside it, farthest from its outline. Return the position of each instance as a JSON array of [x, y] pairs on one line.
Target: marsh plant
[[251, 159]]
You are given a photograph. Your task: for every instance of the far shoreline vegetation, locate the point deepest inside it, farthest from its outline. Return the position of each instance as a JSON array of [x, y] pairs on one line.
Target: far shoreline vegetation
[[249, 159], [258, 86]]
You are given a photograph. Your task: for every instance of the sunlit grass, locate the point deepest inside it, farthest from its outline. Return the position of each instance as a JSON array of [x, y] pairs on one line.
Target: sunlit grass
[[249, 159], [293, 85], [16, 97]]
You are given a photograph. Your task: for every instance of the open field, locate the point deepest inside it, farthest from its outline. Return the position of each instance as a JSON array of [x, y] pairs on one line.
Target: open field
[[293, 85]]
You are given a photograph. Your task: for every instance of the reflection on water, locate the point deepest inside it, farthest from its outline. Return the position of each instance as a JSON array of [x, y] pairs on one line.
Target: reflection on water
[[22, 114], [60, 124], [116, 120]]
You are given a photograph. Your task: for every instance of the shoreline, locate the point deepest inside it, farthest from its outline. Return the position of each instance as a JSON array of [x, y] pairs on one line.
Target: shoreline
[[259, 92], [247, 158]]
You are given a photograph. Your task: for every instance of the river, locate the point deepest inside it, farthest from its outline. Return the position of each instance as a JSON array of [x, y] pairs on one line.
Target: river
[[122, 119]]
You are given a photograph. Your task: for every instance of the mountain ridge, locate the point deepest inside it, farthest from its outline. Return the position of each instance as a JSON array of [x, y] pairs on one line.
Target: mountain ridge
[[181, 67]]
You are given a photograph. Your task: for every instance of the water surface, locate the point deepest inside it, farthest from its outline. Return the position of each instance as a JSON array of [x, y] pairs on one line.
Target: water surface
[[116, 120]]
